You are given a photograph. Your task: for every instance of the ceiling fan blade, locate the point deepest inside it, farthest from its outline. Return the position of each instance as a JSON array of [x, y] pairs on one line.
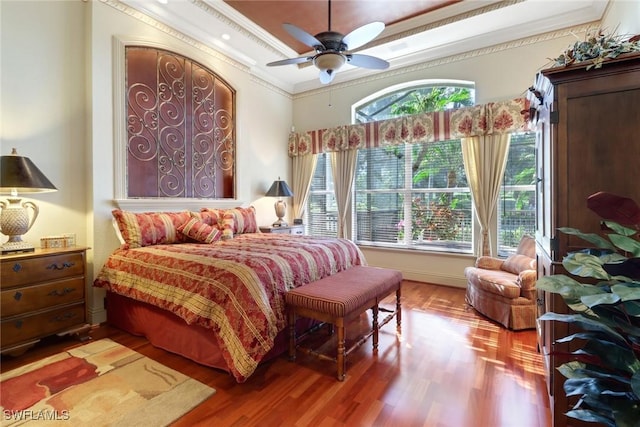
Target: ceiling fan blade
[[367, 61], [326, 76], [363, 35], [298, 60], [303, 36]]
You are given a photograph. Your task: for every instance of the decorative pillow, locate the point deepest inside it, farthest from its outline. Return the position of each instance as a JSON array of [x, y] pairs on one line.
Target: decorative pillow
[[200, 231], [209, 216], [518, 263], [150, 228], [227, 226], [244, 220]]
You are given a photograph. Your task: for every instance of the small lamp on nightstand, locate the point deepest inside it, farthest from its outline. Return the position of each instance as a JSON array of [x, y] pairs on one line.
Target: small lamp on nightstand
[[280, 189], [19, 174]]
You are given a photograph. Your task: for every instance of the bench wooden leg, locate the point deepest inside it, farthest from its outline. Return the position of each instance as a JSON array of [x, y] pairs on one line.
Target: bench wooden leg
[[341, 357], [375, 327], [292, 335], [398, 311]]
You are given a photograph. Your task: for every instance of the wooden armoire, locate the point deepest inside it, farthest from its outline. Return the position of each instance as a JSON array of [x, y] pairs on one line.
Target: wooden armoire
[[588, 140]]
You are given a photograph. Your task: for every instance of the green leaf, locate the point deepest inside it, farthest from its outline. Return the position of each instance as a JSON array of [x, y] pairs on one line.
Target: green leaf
[[632, 308], [595, 239], [626, 244], [585, 265], [627, 292], [572, 369], [635, 384], [584, 322], [598, 299], [619, 229], [591, 417]]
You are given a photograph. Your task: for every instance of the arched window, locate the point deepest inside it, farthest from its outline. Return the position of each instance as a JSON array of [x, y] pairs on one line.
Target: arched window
[[416, 196]]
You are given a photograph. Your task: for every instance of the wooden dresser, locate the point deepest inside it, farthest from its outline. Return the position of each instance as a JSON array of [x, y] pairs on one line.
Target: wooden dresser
[[588, 140], [290, 229], [42, 293]]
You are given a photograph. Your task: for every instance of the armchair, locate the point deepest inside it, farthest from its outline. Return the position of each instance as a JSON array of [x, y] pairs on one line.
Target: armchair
[[505, 289]]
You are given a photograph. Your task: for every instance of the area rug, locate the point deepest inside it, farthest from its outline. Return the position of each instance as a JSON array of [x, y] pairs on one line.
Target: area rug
[[98, 384]]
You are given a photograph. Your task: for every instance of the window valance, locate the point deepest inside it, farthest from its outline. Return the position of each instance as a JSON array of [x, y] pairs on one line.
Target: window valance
[[492, 118]]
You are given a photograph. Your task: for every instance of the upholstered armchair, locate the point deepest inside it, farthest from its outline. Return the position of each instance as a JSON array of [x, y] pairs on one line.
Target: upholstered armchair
[[505, 289]]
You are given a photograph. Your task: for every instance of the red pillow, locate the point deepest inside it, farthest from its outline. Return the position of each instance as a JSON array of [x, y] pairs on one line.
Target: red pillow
[[244, 220], [200, 231], [150, 228], [211, 217]]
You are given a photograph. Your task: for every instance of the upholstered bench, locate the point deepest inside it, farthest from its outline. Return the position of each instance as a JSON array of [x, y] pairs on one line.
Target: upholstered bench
[[339, 298]]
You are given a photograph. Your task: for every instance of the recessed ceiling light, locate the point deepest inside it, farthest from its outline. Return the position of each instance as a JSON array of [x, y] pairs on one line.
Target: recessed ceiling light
[[226, 36]]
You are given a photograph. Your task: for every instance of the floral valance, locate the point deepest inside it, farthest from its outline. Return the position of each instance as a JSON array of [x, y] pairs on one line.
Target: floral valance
[[492, 118]]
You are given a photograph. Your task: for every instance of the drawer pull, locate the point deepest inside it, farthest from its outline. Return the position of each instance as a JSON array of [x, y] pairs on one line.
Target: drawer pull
[[17, 296], [16, 267], [60, 293], [18, 324], [60, 266], [68, 315]]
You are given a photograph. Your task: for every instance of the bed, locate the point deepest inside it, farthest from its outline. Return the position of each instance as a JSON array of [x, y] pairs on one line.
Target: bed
[[218, 301]]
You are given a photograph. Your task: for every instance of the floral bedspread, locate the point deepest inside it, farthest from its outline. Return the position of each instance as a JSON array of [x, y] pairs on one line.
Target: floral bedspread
[[234, 287]]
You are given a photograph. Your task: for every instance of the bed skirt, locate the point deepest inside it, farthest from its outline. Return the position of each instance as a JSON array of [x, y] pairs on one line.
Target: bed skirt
[[169, 332]]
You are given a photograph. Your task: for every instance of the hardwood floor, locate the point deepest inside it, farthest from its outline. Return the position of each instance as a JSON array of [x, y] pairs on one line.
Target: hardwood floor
[[449, 367]]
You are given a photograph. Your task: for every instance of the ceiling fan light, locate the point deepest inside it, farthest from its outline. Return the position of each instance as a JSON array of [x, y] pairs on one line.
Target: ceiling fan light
[[329, 61]]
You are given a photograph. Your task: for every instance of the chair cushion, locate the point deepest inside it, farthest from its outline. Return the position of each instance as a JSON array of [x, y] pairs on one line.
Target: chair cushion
[[527, 246], [518, 263], [497, 282], [346, 291]]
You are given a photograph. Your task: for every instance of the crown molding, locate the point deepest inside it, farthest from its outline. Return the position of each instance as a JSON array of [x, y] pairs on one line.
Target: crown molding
[[552, 35]]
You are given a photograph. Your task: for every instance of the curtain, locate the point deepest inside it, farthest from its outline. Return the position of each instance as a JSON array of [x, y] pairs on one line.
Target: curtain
[[303, 169], [488, 119], [343, 168], [485, 158]]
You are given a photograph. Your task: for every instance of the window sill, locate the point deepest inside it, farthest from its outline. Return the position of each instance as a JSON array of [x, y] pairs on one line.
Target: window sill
[[444, 248]]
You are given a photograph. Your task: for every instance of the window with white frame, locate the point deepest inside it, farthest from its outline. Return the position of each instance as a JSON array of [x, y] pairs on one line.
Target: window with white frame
[[413, 195], [517, 204], [322, 210], [416, 196]]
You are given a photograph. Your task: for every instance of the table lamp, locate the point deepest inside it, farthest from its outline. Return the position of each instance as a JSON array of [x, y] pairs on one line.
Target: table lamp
[[19, 175], [280, 189]]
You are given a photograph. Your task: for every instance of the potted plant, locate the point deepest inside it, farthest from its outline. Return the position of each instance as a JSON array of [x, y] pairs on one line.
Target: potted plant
[[605, 371]]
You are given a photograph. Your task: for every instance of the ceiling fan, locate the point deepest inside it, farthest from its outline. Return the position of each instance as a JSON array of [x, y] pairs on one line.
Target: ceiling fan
[[331, 49]]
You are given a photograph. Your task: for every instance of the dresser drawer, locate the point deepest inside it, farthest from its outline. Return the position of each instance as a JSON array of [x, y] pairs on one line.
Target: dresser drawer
[[33, 298], [17, 272], [41, 324]]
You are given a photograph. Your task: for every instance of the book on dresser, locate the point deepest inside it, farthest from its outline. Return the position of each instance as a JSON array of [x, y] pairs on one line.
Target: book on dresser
[[42, 294]]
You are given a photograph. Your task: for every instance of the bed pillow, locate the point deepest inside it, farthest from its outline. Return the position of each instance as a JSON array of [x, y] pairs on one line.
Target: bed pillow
[[227, 226], [211, 217], [150, 228], [244, 220], [200, 231]]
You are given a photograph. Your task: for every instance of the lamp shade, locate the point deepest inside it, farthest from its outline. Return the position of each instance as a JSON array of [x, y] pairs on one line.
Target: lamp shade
[[279, 189], [19, 174]]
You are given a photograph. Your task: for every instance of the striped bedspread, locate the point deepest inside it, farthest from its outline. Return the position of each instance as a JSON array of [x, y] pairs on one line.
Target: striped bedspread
[[234, 287]]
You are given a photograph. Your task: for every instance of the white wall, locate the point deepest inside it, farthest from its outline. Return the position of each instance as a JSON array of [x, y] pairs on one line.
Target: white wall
[[623, 17], [43, 109]]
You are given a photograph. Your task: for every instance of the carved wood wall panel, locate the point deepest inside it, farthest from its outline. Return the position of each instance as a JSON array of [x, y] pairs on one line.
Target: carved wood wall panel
[[180, 127]]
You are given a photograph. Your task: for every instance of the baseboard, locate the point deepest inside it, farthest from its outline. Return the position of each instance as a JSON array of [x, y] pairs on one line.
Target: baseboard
[[454, 281]]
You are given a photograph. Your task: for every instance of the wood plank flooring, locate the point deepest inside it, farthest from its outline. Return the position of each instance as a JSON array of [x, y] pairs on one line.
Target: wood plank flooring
[[449, 367]]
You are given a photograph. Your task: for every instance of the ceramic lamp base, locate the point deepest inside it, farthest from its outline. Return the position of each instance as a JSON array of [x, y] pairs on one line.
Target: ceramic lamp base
[[16, 247]]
